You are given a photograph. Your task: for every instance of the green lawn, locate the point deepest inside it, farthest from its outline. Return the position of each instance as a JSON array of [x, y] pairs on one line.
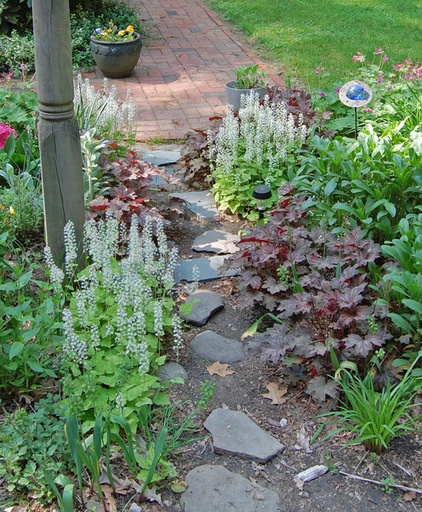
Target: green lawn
[[303, 35]]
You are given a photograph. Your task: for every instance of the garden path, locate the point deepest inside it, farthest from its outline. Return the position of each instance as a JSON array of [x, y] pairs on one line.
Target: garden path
[[185, 62]]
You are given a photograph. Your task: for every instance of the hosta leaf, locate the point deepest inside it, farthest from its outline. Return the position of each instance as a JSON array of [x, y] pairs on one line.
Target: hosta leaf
[[413, 304]]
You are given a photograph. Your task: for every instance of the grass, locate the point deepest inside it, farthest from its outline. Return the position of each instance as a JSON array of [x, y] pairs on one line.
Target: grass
[[303, 35]]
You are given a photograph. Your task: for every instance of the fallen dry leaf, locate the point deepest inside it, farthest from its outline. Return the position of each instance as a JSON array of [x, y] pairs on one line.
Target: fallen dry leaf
[[109, 499], [221, 369], [409, 496], [276, 394]]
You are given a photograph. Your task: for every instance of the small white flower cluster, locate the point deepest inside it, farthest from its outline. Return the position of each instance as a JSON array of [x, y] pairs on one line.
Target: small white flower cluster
[[261, 134], [103, 109], [133, 290], [74, 348], [56, 273]]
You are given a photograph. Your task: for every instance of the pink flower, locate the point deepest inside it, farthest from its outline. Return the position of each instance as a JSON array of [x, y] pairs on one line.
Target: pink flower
[[378, 51], [317, 70], [7, 76], [380, 78], [322, 94], [5, 132], [385, 58], [337, 89], [359, 57]]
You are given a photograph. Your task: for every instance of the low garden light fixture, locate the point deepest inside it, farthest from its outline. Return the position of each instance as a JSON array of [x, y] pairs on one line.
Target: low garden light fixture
[[261, 193]]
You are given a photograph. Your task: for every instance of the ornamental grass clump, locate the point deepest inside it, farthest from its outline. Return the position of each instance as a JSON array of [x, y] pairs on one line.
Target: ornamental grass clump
[[253, 148], [119, 316], [104, 110], [377, 417]]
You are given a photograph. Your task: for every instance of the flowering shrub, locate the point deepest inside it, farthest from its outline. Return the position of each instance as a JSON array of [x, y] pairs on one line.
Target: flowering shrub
[[120, 314], [112, 33], [253, 148], [5, 132]]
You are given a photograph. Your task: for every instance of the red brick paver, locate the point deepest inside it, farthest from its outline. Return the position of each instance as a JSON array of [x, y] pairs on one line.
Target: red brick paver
[[179, 80]]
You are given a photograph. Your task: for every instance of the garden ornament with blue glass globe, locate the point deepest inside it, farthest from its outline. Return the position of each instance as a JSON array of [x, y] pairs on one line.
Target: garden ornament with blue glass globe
[[355, 94]]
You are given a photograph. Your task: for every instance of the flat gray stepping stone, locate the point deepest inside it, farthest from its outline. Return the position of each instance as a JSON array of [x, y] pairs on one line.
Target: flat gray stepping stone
[[171, 370], [233, 432], [207, 268], [161, 157], [204, 304], [216, 489], [216, 241], [201, 203], [213, 347]]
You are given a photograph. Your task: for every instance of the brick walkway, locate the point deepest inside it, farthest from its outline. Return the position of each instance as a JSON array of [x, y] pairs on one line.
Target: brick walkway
[[179, 81]]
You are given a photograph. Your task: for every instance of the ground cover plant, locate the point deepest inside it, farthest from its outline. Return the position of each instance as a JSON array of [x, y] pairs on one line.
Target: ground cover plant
[[314, 43]]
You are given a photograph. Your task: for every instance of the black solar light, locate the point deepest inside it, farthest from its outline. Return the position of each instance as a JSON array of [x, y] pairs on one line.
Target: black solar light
[[261, 193]]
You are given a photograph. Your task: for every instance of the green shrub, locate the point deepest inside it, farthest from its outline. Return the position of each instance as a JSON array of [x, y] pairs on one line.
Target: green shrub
[[17, 53], [14, 13]]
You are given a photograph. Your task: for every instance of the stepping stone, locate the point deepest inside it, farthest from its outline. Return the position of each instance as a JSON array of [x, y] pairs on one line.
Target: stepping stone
[[233, 432], [213, 347], [171, 370], [200, 203], [207, 268], [216, 241], [204, 304], [161, 157], [215, 488]]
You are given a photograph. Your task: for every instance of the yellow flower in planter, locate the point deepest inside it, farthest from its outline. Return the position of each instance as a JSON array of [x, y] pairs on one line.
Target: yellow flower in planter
[[112, 33]]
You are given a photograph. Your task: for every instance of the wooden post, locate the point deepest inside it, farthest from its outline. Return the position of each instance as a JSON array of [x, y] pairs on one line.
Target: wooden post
[[58, 131]]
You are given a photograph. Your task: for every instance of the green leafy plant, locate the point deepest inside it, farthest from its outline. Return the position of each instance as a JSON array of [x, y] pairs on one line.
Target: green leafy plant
[[249, 77], [120, 313], [17, 56], [401, 289], [30, 326], [376, 417], [32, 444], [14, 13], [18, 108], [252, 148], [21, 209], [95, 183], [370, 183], [86, 454]]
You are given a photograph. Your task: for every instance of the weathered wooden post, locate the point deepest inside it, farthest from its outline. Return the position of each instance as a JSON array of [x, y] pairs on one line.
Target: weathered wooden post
[[58, 132]]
